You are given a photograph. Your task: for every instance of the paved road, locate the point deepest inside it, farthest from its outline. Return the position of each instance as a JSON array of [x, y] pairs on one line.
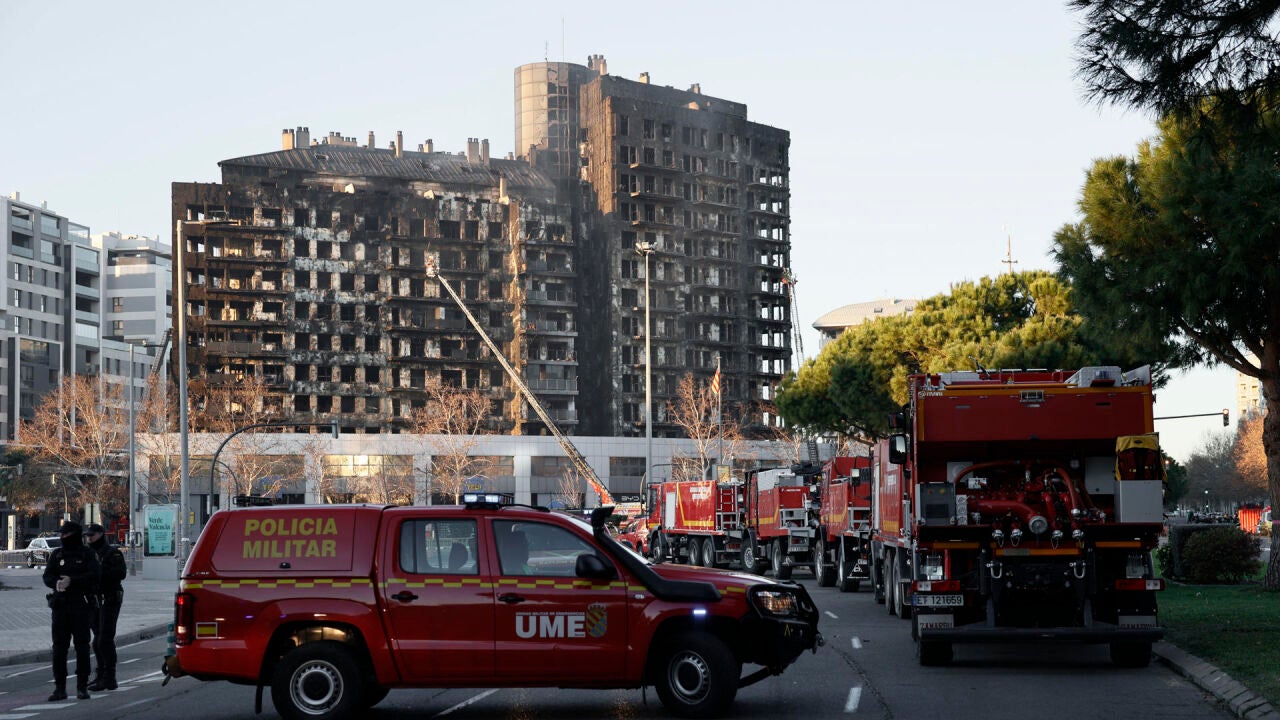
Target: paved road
[[867, 670]]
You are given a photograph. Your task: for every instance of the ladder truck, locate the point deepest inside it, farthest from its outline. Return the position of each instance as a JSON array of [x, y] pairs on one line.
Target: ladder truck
[[580, 463]]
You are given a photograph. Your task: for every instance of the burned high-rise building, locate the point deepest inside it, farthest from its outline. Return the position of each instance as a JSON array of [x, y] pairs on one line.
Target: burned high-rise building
[[681, 182], [305, 267]]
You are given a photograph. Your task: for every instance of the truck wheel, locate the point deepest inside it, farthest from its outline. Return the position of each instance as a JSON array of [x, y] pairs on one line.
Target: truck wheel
[[890, 584], [1131, 654], [317, 681], [709, 552], [825, 576], [695, 551], [698, 676], [658, 548], [750, 560], [901, 607], [844, 568], [781, 570]]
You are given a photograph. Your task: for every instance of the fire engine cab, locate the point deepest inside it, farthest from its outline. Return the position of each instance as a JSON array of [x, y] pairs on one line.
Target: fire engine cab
[[332, 606]]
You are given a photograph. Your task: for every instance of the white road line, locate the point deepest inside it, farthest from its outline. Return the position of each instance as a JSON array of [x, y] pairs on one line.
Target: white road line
[[130, 660], [46, 706], [136, 702], [855, 694], [140, 678], [832, 615], [27, 672], [857, 643], [465, 703], [16, 716]]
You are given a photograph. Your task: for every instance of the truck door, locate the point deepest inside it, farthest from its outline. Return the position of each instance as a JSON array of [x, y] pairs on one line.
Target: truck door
[[439, 603], [551, 623]]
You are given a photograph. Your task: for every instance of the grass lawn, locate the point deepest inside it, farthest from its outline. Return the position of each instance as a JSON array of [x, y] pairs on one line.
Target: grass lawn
[[1236, 628]]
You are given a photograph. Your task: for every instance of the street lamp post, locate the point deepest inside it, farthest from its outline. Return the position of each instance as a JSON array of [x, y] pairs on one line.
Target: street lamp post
[[646, 249], [213, 464], [132, 511]]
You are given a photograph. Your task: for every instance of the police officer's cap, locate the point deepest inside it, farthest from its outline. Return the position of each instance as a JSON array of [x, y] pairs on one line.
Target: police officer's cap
[[70, 528], [94, 528]]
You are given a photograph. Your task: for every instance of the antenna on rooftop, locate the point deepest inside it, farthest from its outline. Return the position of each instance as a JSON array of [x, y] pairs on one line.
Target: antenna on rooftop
[[1008, 253]]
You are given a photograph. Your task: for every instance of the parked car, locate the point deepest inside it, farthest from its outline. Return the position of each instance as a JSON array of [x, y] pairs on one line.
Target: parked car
[[38, 550], [635, 534]]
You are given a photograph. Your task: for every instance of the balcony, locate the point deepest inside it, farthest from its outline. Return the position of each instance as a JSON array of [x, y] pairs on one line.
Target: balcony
[[656, 167], [553, 385]]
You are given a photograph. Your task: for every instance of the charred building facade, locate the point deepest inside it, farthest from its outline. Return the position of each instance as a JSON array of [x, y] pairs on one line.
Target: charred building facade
[[705, 194], [306, 268]]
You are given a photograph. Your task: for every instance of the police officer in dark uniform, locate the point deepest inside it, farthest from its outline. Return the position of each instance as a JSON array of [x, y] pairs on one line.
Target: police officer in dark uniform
[[72, 574], [110, 595]]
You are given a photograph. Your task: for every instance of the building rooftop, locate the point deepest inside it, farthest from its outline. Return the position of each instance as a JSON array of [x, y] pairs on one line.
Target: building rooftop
[[342, 161], [857, 313]]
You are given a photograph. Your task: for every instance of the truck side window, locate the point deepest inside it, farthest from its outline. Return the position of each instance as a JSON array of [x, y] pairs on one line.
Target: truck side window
[[526, 548], [438, 547]]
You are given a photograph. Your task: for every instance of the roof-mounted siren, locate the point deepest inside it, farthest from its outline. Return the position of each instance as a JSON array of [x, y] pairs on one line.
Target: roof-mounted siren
[[1096, 376]]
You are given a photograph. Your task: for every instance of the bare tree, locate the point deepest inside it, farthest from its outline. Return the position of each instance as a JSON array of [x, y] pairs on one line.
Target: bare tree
[[79, 432], [156, 438], [449, 424], [694, 409], [570, 490], [1250, 459], [227, 406]]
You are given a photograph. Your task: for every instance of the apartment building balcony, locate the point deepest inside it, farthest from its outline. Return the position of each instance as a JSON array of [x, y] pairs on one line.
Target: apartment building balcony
[[238, 348], [543, 297], [550, 327], [561, 386], [542, 267], [657, 167]]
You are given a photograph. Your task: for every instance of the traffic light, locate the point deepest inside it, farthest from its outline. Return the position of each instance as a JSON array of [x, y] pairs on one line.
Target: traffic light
[[1226, 420]]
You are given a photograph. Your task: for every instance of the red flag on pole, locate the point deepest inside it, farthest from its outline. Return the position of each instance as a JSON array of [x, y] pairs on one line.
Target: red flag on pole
[[715, 382]]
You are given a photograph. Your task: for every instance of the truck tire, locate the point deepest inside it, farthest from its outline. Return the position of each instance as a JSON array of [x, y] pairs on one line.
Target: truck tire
[[697, 676], [709, 552], [658, 548], [843, 568], [822, 572], [1131, 654], [890, 584], [695, 551], [318, 681], [901, 607], [781, 570], [750, 555]]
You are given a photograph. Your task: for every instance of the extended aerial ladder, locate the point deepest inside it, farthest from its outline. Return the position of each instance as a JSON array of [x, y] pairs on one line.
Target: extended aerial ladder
[[579, 462]]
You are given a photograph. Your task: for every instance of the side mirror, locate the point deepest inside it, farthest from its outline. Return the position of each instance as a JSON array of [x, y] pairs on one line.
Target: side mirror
[[593, 568], [897, 449]]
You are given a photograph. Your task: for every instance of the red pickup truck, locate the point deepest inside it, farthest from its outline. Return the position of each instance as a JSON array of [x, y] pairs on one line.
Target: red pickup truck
[[332, 606]]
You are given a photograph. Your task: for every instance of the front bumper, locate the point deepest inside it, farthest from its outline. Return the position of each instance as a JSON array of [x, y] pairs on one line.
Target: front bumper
[[1098, 632], [776, 642]]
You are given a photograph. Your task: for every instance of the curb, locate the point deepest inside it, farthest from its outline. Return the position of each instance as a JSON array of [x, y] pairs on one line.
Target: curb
[[1240, 700], [46, 655]]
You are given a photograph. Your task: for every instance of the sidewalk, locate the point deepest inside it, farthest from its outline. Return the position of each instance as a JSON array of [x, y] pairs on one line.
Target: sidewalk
[[24, 616]]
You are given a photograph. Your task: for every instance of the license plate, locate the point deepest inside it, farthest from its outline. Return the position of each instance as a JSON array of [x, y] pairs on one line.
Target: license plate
[[921, 600]]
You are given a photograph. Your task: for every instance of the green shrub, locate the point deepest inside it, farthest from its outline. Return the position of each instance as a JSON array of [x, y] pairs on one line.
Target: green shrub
[[1178, 535], [1164, 559], [1223, 554]]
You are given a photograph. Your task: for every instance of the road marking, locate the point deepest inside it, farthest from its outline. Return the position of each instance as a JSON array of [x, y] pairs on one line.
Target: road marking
[[857, 643], [25, 672], [46, 706], [855, 694], [132, 660], [142, 678], [16, 716], [465, 703], [136, 702], [832, 615]]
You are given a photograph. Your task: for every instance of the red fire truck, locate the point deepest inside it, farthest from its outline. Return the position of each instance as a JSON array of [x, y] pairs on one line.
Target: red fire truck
[[844, 523], [1022, 506], [761, 523]]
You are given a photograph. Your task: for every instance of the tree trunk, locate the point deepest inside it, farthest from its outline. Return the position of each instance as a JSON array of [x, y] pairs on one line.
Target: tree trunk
[[1271, 447]]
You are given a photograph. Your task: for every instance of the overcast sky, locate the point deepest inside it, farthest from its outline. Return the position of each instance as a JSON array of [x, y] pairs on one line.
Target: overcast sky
[[919, 131]]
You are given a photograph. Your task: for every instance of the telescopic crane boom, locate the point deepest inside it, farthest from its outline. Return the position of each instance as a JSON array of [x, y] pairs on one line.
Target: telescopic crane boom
[[579, 462]]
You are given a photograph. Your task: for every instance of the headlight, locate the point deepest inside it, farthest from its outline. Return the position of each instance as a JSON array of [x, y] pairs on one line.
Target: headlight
[[778, 603]]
